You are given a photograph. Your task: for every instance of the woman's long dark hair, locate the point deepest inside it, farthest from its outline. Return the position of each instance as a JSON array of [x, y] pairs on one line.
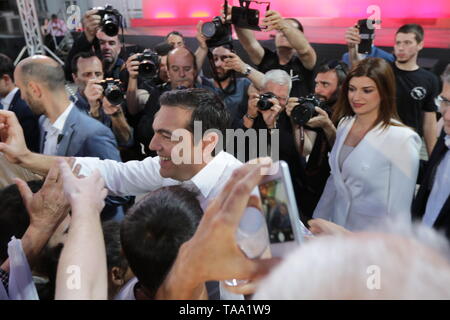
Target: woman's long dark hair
[[381, 73]]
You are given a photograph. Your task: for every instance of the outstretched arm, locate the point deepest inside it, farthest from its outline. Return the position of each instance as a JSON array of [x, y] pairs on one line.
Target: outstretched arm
[[84, 251], [297, 39]]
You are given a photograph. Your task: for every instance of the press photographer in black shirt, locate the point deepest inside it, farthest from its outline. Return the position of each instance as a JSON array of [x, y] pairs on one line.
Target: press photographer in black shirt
[[318, 131], [293, 52]]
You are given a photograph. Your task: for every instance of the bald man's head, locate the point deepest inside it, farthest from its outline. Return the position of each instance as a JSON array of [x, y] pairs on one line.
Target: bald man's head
[[182, 68], [43, 70], [39, 78]]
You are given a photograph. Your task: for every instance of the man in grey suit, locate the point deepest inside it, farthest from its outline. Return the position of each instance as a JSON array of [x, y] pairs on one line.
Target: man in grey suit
[[65, 130]]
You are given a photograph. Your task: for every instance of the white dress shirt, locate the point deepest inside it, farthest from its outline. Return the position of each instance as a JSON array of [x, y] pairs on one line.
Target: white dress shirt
[[139, 177], [6, 101], [440, 191], [52, 131]]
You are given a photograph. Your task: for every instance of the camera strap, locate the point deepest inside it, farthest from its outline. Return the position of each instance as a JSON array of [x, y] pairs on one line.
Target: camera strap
[[299, 136]]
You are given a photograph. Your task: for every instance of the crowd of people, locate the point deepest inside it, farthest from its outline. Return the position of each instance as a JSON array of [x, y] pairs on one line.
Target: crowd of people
[[120, 181]]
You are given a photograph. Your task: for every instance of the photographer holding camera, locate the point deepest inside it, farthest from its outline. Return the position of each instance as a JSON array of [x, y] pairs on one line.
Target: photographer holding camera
[[314, 131], [228, 86], [101, 27], [267, 111], [88, 75], [293, 53], [182, 72]]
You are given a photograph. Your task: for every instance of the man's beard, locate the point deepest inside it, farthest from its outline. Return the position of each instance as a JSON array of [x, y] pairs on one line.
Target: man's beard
[[108, 62], [224, 76]]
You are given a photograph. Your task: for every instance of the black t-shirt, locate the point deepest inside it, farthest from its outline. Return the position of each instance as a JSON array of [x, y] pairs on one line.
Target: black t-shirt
[[416, 91], [301, 77]]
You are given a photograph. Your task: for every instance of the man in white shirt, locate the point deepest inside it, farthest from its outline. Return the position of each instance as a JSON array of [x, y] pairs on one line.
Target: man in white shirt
[[57, 28], [180, 109], [432, 203]]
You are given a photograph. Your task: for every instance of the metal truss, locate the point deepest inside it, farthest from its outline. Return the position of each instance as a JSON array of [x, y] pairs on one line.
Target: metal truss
[[31, 30]]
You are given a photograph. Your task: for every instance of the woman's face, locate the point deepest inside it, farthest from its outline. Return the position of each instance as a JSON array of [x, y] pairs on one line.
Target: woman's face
[[363, 96]]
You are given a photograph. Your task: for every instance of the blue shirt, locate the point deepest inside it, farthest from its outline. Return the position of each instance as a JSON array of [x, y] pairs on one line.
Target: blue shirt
[[375, 53], [235, 101]]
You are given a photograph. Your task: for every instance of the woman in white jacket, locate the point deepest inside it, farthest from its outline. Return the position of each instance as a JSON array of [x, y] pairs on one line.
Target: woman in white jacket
[[375, 159]]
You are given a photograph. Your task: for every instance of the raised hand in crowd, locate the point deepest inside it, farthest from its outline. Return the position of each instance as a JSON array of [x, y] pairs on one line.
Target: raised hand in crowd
[[274, 21], [94, 94], [132, 66], [12, 139], [111, 109], [84, 250], [91, 23], [270, 116], [46, 208], [202, 50], [212, 253], [352, 37]]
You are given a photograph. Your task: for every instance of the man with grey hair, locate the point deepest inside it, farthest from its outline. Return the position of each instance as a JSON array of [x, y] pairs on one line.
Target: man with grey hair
[[64, 129], [432, 202], [276, 89], [402, 262]]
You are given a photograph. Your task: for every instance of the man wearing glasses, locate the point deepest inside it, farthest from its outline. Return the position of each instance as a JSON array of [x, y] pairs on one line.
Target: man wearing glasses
[[432, 202]]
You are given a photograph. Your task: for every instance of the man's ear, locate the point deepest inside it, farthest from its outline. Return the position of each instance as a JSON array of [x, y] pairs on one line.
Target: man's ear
[[421, 45], [74, 77], [35, 88]]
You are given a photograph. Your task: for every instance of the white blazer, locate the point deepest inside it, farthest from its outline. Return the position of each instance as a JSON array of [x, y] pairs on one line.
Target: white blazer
[[377, 180]]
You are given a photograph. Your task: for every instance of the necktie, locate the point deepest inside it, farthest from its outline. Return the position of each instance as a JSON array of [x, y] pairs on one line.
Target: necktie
[[1, 106]]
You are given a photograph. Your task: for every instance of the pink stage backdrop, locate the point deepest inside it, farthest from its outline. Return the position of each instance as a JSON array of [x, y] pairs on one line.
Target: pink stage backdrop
[[185, 10]]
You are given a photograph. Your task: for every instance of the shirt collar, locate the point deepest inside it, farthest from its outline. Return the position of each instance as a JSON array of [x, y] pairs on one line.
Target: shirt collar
[[208, 177], [6, 101], [59, 123], [447, 141]]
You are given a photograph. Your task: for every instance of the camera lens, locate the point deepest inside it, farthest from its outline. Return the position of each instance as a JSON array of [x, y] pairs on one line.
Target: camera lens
[[209, 29], [264, 103], [114, 94], [147, 69], [110, 25], [301, 114]]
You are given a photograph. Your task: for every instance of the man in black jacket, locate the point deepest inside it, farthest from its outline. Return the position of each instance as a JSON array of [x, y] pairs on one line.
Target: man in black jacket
[[432, 203], [93, 38], [10, 99]]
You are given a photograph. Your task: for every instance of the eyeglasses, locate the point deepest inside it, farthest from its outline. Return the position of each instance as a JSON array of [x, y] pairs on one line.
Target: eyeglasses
[[442, 102]]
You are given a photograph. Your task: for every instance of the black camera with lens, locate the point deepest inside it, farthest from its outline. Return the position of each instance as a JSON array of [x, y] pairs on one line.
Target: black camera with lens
[[149, 63], [111, 20], [112, 90], [264, 103], [246, 18], [217, 32], [305, 109]]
